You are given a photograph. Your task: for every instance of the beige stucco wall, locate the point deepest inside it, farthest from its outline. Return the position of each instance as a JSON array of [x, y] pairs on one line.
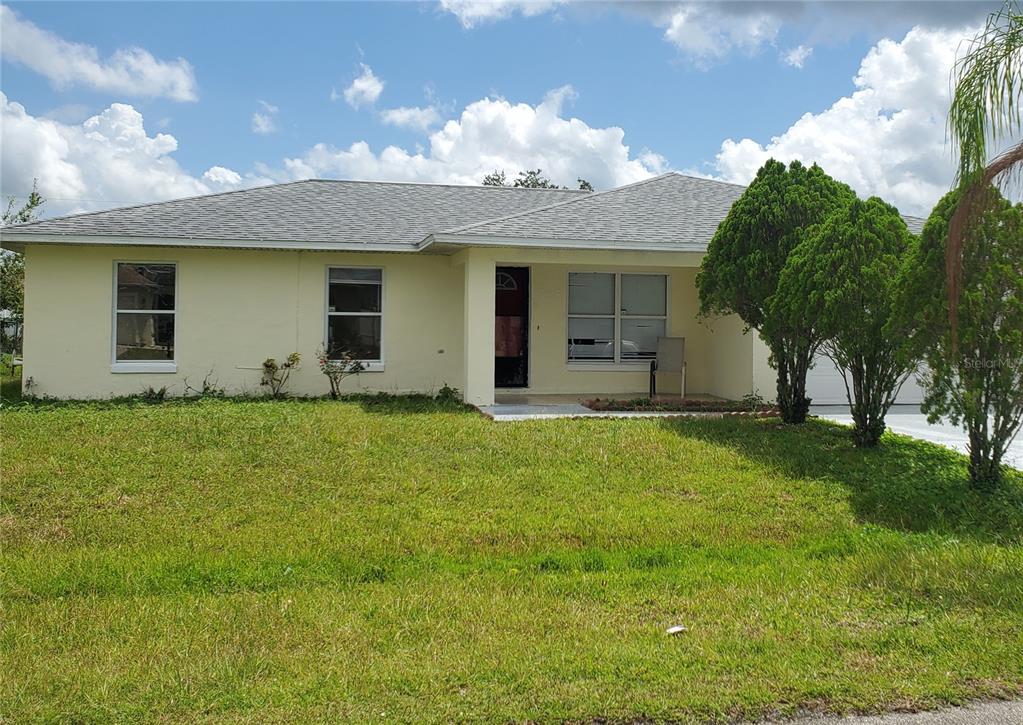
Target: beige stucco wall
[[237, 307]]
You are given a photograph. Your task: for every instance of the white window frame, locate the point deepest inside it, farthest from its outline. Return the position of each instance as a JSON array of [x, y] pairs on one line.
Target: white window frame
[[618, 362], [143, 366], [370, 366]]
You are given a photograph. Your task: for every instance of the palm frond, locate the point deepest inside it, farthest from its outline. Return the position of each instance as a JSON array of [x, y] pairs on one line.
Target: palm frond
[[987, 110]]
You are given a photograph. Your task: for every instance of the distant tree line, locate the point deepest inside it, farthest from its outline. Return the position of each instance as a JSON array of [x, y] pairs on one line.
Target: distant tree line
[[531, 179]]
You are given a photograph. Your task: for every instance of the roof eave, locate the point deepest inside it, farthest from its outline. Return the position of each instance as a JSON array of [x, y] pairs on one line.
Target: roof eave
[[10, 238], [473, 240]]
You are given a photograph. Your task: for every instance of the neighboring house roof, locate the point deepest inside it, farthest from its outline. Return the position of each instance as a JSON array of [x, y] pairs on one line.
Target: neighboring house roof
[[915, 223], [668, 212]]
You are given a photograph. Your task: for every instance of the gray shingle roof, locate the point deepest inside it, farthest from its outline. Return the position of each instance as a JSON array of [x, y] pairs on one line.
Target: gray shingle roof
[[670, 210], [326, 211]]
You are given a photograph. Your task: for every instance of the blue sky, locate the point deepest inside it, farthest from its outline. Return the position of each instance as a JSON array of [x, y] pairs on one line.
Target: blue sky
[[679, 79]]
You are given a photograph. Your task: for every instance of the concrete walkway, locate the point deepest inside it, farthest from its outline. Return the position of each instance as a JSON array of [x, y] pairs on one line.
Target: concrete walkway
[[908, 420], [981, 713]]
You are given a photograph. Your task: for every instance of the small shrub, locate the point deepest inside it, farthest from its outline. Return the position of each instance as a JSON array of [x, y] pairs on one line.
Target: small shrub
[[753, 401], [209, 387], [154, 395], [337, 365], [275, 375], [448, 394]]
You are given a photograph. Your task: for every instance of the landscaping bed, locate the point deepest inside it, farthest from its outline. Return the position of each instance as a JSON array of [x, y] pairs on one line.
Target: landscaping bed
[[670, 404]]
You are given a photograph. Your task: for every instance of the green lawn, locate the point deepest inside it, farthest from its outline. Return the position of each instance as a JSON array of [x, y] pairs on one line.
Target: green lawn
[[407, 560]]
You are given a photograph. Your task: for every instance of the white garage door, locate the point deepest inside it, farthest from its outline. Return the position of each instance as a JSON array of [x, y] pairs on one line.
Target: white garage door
[[824, 386]]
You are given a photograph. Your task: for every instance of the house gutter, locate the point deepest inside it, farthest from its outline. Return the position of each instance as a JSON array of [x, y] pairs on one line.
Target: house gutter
[[11, 238], [471, 240]]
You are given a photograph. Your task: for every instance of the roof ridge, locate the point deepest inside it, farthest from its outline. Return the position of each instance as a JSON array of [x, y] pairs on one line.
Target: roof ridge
[[545, 207], [449, 186]]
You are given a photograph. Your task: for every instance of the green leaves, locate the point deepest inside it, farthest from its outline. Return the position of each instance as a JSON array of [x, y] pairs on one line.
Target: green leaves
[[979, 381], [746, 259]]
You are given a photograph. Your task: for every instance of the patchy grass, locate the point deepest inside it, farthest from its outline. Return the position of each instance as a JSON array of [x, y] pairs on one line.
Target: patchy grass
[[10, 380], [394, 559]]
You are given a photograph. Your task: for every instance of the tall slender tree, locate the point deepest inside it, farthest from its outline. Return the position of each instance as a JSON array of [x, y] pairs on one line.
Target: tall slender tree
[[986, 112], [745, 259]]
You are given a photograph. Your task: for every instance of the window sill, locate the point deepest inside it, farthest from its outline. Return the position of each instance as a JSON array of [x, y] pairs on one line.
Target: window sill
[[144, 367], [372, 367], [623, 367]]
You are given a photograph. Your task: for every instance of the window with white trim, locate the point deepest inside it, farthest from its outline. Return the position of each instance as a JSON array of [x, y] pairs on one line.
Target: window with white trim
[[144, 312], [355, 312], [614, 317]]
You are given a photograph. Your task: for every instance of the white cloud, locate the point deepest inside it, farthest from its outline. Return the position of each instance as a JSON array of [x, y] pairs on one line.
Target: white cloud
[[492, 133], [797, 57], [107, 160], [887, 138], [471, 13], [263, 122], [706, 33], [702, 30], [132, 71], [364, 90], [221, 177], [416, 118]]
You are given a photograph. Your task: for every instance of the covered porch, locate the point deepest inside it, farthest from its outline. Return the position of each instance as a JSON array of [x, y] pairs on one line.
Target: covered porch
[[555, 327]]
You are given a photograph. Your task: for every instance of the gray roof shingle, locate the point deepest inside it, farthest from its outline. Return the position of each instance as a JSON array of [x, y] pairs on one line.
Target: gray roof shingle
[[325, 211], [671, 211]]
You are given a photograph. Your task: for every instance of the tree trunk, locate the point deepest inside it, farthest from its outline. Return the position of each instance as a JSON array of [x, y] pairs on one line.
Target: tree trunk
[[867, 406], [792, 367], [985, 468]]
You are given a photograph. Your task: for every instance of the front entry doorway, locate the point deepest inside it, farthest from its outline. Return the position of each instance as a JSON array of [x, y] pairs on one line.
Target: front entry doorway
[[511, 328]]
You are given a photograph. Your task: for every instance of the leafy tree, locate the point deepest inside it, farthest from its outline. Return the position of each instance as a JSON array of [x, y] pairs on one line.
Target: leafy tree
[[25, 213], [975, 378], [12, 270], [987, 110], [841, 279], [495, 178], [532, 179], [745, 260]]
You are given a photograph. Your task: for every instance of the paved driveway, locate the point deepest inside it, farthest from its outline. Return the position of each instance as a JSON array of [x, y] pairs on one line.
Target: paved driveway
[[909, 420], [981, 713]]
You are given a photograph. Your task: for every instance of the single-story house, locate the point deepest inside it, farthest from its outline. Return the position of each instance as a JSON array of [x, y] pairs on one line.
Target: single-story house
[[491, 290]]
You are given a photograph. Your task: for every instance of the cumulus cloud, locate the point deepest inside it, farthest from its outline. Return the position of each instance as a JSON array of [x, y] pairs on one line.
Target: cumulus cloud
[[107, 160], [222, 177], [364, 90], [703, 30], [415, 118], [263, 121], [111, 160], [471, 13], [707, 32], [492, 133], [797, 57], [887, 138], [132, 71]]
